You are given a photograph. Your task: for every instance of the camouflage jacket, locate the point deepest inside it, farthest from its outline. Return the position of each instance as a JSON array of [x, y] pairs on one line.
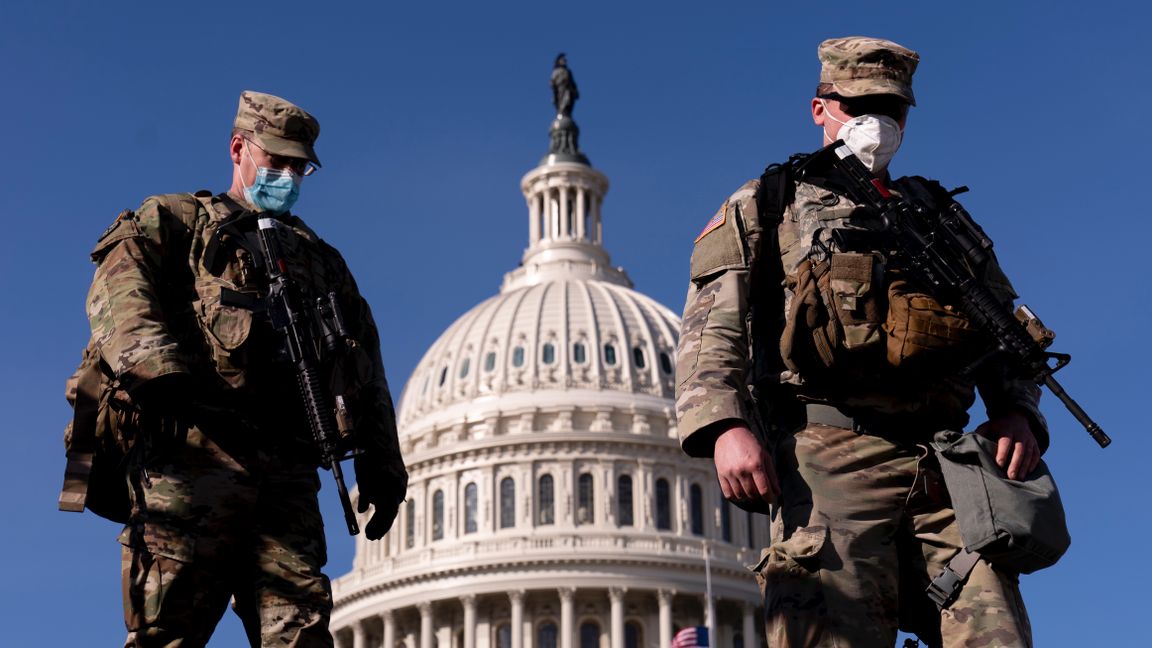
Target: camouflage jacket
[[716, 346], [155, 309]]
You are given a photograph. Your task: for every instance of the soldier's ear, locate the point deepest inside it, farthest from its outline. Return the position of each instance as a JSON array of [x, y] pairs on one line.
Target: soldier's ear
[[236, 149], [819, 113]]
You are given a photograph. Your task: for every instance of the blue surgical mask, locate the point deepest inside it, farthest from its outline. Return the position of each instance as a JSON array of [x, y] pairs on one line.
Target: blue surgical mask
[[273, 190]]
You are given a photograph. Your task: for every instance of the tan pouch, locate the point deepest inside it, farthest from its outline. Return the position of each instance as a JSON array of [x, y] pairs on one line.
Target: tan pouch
[[923, 332]]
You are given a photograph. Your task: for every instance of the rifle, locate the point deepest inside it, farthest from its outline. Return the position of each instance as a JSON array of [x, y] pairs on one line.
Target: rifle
[[942, 250], [301, 324]]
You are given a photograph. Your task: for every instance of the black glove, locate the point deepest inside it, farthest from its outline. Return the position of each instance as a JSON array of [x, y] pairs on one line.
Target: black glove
[[383, 486]]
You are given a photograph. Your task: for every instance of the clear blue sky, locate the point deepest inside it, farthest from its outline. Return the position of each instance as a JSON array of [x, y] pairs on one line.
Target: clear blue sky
[[432, 111]]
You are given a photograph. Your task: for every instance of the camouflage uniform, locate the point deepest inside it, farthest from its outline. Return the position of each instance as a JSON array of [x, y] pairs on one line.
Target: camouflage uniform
[[223, 474], [864, 521]]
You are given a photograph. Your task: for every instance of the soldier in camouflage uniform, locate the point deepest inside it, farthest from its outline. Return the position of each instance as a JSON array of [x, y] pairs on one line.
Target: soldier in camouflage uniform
[[221, 465], [862, 521]]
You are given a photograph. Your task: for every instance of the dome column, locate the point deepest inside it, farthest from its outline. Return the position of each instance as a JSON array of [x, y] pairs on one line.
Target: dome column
[[469, 602], [517, 598], [389, 629], [359, 635], [616, 597], [664, 597], [426, 636], [567, 600], [749, 624]]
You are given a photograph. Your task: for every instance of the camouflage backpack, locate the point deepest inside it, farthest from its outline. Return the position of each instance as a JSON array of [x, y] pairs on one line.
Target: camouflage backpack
[[99, 440]]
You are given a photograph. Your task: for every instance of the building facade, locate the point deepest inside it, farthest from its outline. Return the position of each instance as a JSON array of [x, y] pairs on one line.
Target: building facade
[[550, 505]]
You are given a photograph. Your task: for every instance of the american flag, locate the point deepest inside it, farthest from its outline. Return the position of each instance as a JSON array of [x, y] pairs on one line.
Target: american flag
[[693, 637]]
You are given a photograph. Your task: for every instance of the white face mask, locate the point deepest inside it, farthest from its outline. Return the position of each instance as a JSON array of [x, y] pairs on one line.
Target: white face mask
[[873, 138]]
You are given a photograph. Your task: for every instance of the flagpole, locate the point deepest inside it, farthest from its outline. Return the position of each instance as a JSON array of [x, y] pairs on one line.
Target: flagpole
[[708, 593]]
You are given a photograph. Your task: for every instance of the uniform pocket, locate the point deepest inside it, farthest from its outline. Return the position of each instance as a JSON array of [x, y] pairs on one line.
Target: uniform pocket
[[226, 328], [856, 301], [789, 578], [692, 330]]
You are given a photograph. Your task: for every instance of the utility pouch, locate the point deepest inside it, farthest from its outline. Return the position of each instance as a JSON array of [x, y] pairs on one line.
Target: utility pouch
[[1016, 525], [923, 333], [836, 313]]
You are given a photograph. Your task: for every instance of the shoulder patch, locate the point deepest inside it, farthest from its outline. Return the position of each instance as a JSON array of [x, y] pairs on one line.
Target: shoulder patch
[[125, 226], [714, 224]]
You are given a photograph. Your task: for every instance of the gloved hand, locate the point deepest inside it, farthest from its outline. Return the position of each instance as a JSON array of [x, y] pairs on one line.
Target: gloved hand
[[383, 485]]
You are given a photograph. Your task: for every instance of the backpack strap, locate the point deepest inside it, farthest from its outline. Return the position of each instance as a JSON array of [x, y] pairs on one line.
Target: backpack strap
[[944, 588], [81, 434]]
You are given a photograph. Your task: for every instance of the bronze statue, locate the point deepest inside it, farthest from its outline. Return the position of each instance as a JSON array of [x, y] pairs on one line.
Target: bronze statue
[[564, 93]]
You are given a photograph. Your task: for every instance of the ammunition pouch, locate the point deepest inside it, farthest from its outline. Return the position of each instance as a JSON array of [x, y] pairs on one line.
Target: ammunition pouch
[[836, 316], [924, 334]]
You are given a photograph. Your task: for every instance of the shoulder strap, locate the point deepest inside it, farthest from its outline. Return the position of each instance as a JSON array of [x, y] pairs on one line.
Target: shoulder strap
[[777, 188]]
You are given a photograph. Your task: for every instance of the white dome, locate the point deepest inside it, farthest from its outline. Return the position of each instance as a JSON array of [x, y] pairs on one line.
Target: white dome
[[569, 342]]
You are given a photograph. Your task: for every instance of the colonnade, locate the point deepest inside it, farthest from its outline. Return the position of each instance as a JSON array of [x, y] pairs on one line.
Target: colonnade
[[466, 629], [564, 213]]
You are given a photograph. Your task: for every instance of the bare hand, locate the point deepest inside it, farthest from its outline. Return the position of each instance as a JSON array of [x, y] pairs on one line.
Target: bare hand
[[1016, 448], [745, 469]]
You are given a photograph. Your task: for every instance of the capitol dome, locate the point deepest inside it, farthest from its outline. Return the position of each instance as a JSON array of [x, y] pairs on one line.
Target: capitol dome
[[549, 503]]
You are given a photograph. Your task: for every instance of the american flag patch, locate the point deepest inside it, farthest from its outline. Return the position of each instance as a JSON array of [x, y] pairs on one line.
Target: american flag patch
[[713, 224]]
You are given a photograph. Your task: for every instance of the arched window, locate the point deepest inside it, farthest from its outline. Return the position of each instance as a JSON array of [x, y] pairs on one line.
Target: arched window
[[470, 508], [544, 501], [633, 637], [579, 354], [624, 500], [589, 635], [504, 636], [507, 503], [443, 376], [665, 362], [696, 505], [548, 355], [638, 357], [490, 361], [610, 355], [725, 520], [438, 515], [584, 506], [464, 365], [410, 524], [546, 635], [518, 357], [663, 505]]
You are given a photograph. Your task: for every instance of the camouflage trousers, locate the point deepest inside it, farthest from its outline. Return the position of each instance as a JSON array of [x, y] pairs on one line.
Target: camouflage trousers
[[863, 526], [214, 521]]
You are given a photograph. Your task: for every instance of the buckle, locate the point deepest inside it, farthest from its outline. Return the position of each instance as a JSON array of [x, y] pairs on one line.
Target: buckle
[[944, 588]]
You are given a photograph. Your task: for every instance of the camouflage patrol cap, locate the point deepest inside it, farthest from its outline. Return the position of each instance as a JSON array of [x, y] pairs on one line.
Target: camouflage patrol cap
[[278, 126], [858, 66]]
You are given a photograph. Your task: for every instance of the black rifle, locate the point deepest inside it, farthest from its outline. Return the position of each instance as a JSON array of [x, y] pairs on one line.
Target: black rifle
[[942, 250], [305, 327]]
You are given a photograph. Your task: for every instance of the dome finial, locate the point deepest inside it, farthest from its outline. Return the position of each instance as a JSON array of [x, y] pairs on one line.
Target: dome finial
[[564, 135]]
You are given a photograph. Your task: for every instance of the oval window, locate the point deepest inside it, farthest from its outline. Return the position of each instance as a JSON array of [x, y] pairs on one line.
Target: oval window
[[490, 361], [518, 357], [609, 355]]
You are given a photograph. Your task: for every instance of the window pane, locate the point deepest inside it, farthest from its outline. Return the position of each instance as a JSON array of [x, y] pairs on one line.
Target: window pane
[[490, 361], [631, 635], [609, 355], [504, 636], [546, 635], [518, 357], [725, 520], [507, 503], [624, 500], [544, 504], [638, 358], [696, 505], [443, 375], [584, 511], [470, 508], [578, 353], [549, 354], [589, 635], [438, 515], [410, 524], [663, 506], [665, 362], [464, 367]]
